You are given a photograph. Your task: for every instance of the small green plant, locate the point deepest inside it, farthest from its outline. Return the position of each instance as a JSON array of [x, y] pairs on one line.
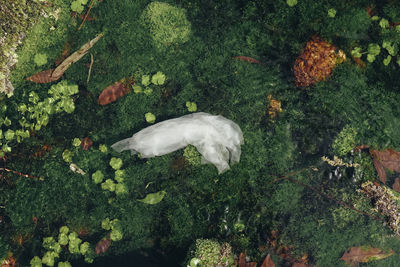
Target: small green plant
[[332, 12], [157, 79], [150, 118], [345, 141], [191, 106], [78, 5], [208, 252], [192, 155], [291, 3], [114, 226]]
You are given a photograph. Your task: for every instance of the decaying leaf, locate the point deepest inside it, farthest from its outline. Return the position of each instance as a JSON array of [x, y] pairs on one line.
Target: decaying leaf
[[112, 93], [396, 185], [9, 261], [364, 254], [388, 159], [274, 107], [86, 143], [43, 77], [242, 261], [248, 59], [103, 245], [268, 262]]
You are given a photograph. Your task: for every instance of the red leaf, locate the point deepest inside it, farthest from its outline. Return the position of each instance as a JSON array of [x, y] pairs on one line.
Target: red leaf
[[112, 93], [43, 77], [86, 143], [103, 245], [268, 262], [248, 59]]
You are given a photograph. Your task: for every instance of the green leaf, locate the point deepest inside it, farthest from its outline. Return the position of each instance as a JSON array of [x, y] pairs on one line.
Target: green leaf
[[116, 163], [67, 155], [48, 258], [374, 49], [331, 13], [384, 23], [115, 235], [150, 118], [106, 224], [148, 91], [108, 185], [153, 198], [375, 18], [137, 89], [158, 78], [386, 61], [84, 248], [9, 135], [98, 177], [120, 189], [370, 58], [119, 175], [36, 262], [64, 264], [76, 142], [146, 80], [7, 121], [63, 239], [191, 106], [291, 3], [103, 148]]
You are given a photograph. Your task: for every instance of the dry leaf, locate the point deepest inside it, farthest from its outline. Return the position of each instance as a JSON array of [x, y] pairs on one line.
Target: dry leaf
[[364, 254], [112, 93], [268, 262], [274, 107], [243, 263], [103, 245], [388, 159], [43, 77], [248, 59], [396, 185]]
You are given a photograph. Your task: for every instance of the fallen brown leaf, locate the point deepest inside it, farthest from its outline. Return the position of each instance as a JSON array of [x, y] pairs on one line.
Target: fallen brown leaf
[[364, 254], [268, 262], [396, 185], [103, 245], [43, 77], [86, 143], [242, 261], [112, 93], [389, 159], [248, 59]]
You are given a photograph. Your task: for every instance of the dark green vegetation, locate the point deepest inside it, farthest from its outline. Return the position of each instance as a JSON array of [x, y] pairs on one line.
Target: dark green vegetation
[[198, 61]]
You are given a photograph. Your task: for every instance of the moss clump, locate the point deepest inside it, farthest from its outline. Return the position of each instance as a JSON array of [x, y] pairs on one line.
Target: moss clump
[[167, 24], [192, 156], [210, 253], [345, 141]]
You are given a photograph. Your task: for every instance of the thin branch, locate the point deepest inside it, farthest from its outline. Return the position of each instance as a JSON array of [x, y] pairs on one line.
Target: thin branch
[[19, 173], [90, 68], [87, 14]]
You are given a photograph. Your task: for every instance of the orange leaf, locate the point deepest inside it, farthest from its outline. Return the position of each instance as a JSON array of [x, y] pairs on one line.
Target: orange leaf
[[112, 93], [364, 254], [388, 159], [43, 77], [268, 262]]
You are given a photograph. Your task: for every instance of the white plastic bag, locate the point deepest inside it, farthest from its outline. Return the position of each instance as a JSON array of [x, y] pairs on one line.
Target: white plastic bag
[[215, 137]]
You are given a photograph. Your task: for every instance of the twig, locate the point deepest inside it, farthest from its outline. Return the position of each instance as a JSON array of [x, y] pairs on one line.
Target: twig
[[328, 196], [87, 14], [19, 173], [90, 68]]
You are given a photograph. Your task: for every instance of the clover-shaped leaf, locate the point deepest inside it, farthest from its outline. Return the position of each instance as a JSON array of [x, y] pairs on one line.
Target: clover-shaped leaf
[[150, 118], [145, 80], [98, 177], [158, 78], [116, 163]]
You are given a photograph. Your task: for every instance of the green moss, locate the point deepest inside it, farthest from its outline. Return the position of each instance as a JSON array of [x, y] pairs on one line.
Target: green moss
[[167, 24]]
